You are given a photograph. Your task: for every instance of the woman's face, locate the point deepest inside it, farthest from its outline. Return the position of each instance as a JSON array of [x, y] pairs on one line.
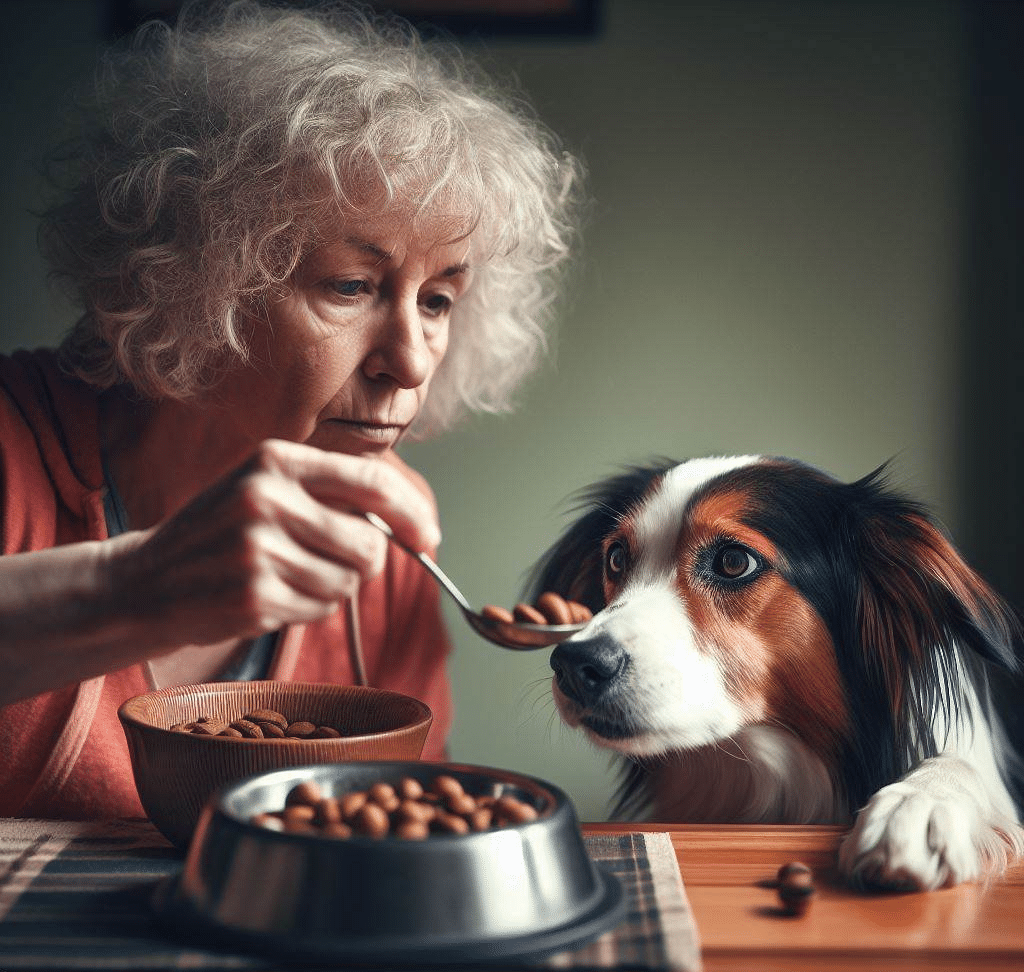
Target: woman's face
[[345, 359]]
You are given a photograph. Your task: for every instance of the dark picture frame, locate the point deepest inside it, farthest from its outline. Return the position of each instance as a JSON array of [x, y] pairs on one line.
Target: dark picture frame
[[460, 18]]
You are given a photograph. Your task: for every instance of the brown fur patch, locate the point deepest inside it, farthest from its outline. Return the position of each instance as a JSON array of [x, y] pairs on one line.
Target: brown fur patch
[[774, 649]]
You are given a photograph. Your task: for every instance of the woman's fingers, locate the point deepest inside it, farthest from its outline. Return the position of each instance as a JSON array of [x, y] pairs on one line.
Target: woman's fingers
[[281, 540], [355, 483], [334, 538]]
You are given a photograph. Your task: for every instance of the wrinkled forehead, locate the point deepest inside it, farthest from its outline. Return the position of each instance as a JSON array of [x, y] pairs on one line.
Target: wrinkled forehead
[[661, 516], [393, 234], [444, 215]]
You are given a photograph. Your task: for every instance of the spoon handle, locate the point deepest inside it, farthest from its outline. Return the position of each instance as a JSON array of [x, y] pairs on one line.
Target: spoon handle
[[439, 575]]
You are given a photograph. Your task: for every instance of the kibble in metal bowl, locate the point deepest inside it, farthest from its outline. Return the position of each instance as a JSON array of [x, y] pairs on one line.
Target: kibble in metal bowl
[[406, 810], [454, 895]]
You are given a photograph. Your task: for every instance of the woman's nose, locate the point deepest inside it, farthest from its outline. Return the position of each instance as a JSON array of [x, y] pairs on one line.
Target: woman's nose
[[401, 352]]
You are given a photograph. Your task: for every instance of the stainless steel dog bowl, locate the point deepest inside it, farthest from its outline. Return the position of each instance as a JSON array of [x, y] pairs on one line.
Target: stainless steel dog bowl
[[523, 890]]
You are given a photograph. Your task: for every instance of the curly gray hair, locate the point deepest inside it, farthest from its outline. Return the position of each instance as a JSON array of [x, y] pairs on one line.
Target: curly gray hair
[[224, 145]]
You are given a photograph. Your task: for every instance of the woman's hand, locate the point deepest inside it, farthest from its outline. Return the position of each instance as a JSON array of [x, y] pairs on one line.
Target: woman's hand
[[278, 541]]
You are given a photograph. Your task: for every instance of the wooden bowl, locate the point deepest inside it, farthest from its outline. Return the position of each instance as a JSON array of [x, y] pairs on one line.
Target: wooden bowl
[[177, 772]]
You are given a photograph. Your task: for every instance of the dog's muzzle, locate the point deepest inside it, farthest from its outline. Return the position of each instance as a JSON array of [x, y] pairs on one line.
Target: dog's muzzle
[[586, 670]]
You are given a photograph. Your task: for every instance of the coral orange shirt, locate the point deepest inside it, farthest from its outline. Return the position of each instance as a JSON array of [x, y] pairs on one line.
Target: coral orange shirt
[[63, 753]]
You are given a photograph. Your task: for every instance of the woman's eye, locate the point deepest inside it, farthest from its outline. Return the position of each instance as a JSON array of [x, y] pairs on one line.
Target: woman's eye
[[438, 304], [734, 562], [348, 288], [615, 560]]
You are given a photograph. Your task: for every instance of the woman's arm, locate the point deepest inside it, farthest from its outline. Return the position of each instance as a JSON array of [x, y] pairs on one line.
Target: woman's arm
[[61, 619], [278, 541]]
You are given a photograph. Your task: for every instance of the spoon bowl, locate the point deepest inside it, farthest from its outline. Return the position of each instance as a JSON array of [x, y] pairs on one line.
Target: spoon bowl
[[514, 635]]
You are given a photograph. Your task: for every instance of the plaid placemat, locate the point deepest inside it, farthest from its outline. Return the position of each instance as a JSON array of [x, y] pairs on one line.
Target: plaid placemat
[[76, 896]]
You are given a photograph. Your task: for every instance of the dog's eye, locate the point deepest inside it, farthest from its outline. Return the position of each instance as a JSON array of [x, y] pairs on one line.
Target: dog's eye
[[615, 560], [734, 562]]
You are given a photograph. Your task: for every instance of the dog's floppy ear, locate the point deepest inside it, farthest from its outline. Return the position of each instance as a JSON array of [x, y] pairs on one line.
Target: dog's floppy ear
[[573, 565], [925, 626], [918, 600]]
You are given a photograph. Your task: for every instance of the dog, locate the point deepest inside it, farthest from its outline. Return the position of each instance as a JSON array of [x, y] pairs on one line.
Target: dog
[[770, 644]]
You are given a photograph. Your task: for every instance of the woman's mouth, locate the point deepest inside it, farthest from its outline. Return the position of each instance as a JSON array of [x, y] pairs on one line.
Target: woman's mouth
[[375, 433]]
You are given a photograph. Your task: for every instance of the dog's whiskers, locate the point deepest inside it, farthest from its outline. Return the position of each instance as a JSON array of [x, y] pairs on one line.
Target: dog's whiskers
[[539, 688]]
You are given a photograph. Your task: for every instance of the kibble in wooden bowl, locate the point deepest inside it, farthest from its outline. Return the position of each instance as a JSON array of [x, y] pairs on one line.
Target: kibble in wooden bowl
[[177, 771]]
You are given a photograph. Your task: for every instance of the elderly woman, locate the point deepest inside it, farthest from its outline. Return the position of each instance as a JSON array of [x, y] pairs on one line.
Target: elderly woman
[[297, 240]]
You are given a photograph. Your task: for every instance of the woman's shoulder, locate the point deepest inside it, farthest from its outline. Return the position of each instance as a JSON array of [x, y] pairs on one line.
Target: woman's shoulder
[[49, 430], [34, 383]]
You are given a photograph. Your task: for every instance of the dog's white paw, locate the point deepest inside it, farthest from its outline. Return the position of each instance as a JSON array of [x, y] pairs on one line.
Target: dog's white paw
[[907, 840]]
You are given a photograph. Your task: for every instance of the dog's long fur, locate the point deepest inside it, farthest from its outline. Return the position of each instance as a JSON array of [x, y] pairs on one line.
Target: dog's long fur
[[771, 644]]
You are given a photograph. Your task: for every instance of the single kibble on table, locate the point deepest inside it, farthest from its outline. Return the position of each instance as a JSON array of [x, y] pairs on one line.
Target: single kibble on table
[[795, 887]]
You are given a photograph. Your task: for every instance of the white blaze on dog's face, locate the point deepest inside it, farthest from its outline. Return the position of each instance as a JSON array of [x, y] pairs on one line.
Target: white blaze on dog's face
[[701, 636]]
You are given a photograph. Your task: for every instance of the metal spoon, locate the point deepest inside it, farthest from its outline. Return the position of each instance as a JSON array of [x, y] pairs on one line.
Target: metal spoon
[[518, 636]]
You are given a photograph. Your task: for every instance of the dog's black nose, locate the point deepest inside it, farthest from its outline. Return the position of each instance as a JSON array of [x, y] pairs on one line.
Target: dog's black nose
[[585, 670]]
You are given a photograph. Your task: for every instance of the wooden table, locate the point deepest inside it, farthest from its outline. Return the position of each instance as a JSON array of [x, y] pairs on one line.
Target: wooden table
[[726, 870]]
